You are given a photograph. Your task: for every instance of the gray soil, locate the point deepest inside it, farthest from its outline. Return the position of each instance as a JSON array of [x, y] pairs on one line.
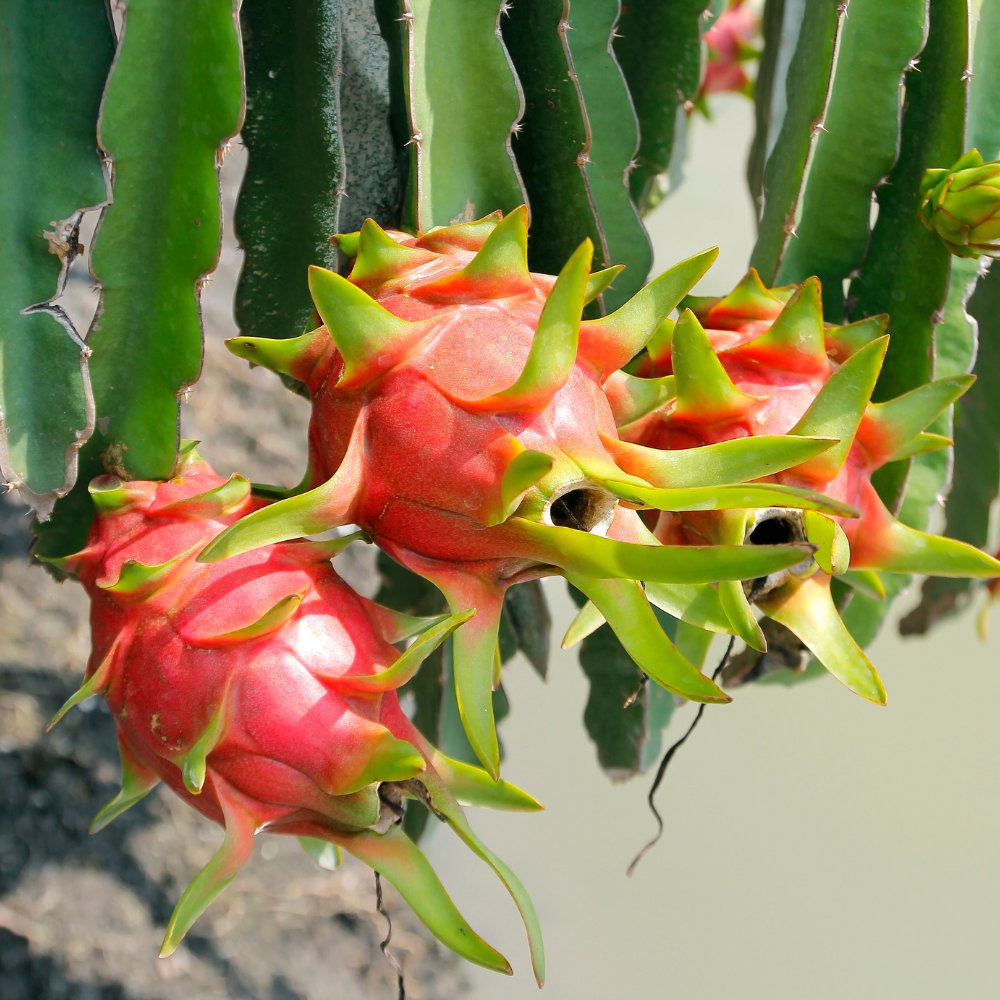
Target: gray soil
[[81, 917]]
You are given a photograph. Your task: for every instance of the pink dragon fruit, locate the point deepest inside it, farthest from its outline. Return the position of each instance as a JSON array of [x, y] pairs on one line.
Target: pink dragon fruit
[[262, 691], [730, 44], [461, 416], [764, 364]]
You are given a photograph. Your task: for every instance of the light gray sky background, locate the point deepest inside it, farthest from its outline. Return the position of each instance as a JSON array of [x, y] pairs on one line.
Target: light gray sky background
[[815, 847]]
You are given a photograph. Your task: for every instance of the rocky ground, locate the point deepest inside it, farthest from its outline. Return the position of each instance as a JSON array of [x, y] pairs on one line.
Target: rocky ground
[[81, 916]]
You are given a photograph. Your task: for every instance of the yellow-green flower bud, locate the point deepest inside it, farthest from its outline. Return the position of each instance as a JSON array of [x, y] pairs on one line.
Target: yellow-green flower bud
[[962, 205]]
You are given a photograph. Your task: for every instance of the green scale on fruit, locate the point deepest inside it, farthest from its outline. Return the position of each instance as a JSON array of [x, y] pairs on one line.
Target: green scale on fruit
[[761, 362], [463, 417]]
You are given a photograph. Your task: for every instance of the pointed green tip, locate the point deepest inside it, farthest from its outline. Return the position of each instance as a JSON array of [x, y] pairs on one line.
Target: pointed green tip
[[610, 342], [380, 258], [309, 513], [347, 243], [600, 281], [187, 456], [705, 392], [472, 786], [912, 551], [136, 579], [524, 471], [95, 684], [137, 783], [112, 494], [795, 340], [462, 236], [588, 620], [370, 338], [213, 503], [294, 356], [499, 269], [390, 759]]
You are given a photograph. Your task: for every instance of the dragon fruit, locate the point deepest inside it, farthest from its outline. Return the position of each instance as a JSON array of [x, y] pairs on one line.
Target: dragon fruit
[[764, 364], [262, 690], [729, 44], [463, 417]]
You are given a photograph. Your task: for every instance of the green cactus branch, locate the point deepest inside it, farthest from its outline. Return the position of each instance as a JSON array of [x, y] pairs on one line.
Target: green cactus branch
[[175, 94], [292, 190], [53, 63]]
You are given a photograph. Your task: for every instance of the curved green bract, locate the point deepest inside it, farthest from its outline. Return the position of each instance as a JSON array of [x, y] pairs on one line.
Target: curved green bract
[[554, 345], [732, 529], [286, 357], [729, 498], [461, 165], [627, 611], [327, 506], [524, 471], [612, 341], [741, 617], [54, 58], [379, 256], [174, 96], [291, 193], [408, 663], [808, 610], [736, 461], [137, 782], [394, 856], [323, 551], [901, 420], [659, 47], [912, 551], [209, 883], [839, 406], [136, 580], [833, 552], [614, 140], [847, 340], [865, 581], [601, 280], [605, 558], [858, 146], [694, 604], [96, 683], [390, 759], [396, 626], [807, 90], [212, 504], [472, 786], [632, 398], [445, 805], [368, 337], [194, 763], [697, 605], [587, 621], [703, 386]]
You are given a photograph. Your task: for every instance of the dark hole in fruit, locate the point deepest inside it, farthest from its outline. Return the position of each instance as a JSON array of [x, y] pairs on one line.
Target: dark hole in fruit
[[773, 531], [579, 509]]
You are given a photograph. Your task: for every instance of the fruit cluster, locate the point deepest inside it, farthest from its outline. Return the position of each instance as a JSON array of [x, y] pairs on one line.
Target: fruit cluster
[[471, 423]]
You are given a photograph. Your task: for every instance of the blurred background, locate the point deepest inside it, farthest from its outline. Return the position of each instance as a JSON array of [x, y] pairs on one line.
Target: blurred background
[[814, 845]]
